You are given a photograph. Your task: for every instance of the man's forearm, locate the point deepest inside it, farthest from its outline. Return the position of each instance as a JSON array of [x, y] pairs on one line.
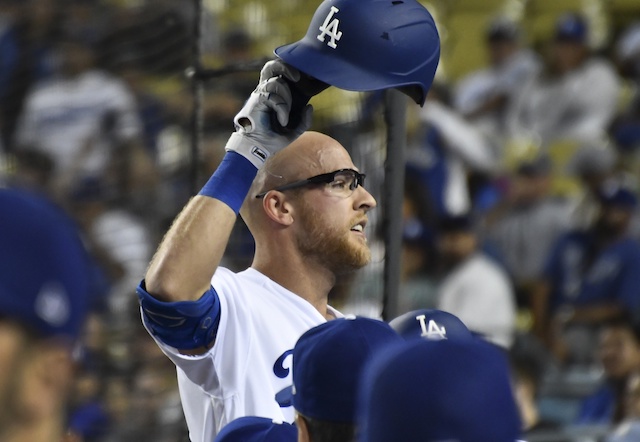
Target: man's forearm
[[190, 252]]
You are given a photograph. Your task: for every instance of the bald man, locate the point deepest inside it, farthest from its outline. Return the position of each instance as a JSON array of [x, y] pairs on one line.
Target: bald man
[[231, 335]]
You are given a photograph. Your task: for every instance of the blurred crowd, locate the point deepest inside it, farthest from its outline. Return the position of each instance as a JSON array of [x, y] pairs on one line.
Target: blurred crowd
[[520, 209]]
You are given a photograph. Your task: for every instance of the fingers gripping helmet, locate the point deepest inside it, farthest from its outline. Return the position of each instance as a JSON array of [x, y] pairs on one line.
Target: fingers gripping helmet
[[368, 45]]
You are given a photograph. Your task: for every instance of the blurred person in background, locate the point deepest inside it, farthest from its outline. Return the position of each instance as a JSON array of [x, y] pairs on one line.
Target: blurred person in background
[[88, 416], [574, 97], [591, 276], [86, 120], [474, 287], [527, 373], [593, 165], [629, 429], [10, 14], [44, 297], [34, 171], [618, 353], [523, 227], [118, 240], [447, 150], [483, 97], [26, 55]]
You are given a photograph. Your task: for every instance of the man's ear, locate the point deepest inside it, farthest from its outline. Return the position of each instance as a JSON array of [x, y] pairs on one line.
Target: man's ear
[[303, 431], [278, 208]]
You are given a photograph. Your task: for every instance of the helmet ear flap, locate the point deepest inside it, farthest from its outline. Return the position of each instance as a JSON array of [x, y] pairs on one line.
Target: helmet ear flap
[[415, 92]]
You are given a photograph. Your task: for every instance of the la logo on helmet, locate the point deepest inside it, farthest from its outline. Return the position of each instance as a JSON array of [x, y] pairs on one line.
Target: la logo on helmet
[[330, 28]]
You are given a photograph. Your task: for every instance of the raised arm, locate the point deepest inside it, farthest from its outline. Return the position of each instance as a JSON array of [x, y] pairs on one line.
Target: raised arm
[[177, 283]]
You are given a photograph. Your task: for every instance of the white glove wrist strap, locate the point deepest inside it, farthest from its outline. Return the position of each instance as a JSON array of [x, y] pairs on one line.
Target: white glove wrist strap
[[246, 147]]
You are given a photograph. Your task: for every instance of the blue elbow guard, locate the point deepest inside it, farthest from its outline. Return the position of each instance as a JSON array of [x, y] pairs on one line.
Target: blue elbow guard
[[185, 325]]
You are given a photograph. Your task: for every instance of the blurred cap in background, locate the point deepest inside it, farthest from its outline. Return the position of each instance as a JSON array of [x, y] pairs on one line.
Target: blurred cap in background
[[502, 29], [44, 276], [571, 27]]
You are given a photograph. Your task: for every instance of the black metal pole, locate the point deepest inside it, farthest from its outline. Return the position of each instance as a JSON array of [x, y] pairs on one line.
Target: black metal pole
[[395, 116], [197, 96]]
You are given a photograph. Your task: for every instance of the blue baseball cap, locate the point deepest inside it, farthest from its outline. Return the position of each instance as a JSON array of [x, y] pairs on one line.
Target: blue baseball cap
[[615, 195], [447, 390], [430, 324], [328, 361], [44, 282], [257, 429], [571, 27]]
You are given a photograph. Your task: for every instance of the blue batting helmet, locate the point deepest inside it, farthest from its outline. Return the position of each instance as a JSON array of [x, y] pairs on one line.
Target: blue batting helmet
[[367, 45]]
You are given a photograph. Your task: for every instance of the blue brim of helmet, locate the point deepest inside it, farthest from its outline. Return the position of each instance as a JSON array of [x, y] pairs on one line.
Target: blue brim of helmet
[[337, 71]]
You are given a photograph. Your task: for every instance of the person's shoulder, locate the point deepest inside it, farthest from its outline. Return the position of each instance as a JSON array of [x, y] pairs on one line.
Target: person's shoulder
[[246, 281], [483, 264], [597, 67], [105, 81], [628, 246], [574, 236]]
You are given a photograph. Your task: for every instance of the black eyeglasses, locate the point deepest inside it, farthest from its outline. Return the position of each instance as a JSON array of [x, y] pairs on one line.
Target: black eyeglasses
[[340, 183]]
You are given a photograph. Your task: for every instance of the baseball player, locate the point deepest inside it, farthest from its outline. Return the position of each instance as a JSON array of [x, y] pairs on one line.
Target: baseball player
[[43, 301], [328, 361], [231, 335]]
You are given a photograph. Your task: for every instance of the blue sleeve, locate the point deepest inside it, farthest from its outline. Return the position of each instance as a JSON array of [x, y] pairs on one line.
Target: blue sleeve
[[597, 408], [9, 54], [185, 325], [629, 286], [552, 270]]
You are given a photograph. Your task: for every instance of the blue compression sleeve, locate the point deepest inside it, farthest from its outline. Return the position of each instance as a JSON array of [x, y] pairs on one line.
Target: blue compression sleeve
[[185, 325], [231, 181]]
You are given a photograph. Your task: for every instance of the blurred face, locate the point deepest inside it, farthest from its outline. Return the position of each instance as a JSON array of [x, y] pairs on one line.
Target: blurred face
[[567, 55], [12, 342], [501, 51], [35, 378], [632, 404], [456, 246], [76, 58], [528, 189], [613, 220], [618, 352]]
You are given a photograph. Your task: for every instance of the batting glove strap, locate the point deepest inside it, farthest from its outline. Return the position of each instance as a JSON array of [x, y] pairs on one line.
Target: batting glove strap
[[248, 148], [185, 325]]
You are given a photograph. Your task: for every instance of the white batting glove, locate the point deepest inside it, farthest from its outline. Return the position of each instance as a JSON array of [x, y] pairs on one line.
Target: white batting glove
[[254, 137]]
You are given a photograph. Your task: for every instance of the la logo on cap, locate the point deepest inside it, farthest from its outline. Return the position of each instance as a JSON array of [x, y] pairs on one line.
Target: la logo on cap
[[432, 330]]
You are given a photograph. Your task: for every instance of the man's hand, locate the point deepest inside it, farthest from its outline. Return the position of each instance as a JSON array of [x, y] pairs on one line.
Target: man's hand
[[254, 138]]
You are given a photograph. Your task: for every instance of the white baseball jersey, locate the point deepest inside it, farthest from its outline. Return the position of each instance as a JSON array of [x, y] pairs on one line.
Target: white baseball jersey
[[250, 362], [65, 118]]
